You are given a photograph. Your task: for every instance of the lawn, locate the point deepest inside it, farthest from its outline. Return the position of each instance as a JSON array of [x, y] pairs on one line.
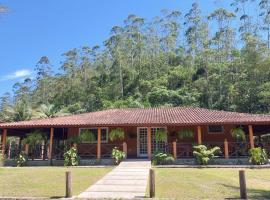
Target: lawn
[[210, 183], [45, 181]]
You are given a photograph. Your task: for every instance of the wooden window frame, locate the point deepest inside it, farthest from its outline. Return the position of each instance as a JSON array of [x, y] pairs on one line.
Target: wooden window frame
[[217, 133]]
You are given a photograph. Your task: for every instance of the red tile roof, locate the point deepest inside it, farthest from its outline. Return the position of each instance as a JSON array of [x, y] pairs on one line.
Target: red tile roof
[[147, 116]]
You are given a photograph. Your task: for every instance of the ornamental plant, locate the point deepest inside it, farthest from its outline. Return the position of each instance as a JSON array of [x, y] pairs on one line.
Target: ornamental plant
[[161, 158], [238, 134], [258, 156], [116, 134], [185, 133], [86, 136], [161, 135], [21, 160], [204, 155], [71, 157], [118, 155]]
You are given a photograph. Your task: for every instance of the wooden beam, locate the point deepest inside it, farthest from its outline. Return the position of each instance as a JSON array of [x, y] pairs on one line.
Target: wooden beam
[[4, 141], [199, 131], [251, 138], [99, 144], [149, 143], [51, 145], [226, 149]]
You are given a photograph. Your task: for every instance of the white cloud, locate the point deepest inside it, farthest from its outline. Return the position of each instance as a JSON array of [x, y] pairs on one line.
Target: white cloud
[[17, 74]]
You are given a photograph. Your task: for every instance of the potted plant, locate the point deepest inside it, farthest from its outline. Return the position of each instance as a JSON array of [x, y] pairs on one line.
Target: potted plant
[[185, 133], [238, 134], [117, 134], [161, 135]]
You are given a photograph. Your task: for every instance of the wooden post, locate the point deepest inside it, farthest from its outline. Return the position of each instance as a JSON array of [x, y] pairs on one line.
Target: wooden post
[[152, 183], [251, 139], [226, 149], [199, 134], [242, 182], [51, 145], [125, 148], [4, 141], [174, 150], [43, 150], [149, 143], [99, 144], [68, 184], [26, 150]]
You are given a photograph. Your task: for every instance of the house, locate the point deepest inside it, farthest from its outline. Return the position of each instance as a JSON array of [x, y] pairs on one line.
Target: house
[[210, 127]]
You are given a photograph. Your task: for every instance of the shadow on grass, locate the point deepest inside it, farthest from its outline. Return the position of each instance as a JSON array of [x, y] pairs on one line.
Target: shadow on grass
[[251, 193], [57, 197]]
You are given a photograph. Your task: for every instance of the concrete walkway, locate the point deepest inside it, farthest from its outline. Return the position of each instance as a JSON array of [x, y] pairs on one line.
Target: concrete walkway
[[128, 181]]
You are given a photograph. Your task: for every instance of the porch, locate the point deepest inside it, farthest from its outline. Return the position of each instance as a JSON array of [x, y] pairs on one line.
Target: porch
[[138, 142]]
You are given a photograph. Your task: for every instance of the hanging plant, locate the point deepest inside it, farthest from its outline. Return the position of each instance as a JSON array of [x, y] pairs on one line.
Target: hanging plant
[[34, 138], [238, 134], [161, 135], [117, 133], [87, 136], [185, 133]]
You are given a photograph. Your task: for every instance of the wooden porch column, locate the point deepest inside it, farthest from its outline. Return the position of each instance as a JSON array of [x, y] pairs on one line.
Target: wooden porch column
[[251, 139], [51, 145], [199, 131], [125, 148], [4, 141], [149, 143], [226, 149], [174, 150], [99, 144]]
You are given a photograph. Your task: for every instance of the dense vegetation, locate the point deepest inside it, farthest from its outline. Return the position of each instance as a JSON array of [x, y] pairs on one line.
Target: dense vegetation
[[218, 61]]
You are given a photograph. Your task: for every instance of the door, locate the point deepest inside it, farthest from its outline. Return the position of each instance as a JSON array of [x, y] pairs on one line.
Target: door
[[142, 142]]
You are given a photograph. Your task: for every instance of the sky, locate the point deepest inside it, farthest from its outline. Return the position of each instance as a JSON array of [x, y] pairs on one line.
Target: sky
[[35, 28]]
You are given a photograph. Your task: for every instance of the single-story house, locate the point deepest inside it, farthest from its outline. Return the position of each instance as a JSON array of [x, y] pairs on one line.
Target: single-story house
[[210, 127]]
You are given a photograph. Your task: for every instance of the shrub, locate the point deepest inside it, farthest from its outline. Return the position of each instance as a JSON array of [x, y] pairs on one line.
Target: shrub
[[160, 158], [185, 133], [161, 135], [71, 157], [21, 160], [258, 156], [117, 133], [118, 155], [203, 155]]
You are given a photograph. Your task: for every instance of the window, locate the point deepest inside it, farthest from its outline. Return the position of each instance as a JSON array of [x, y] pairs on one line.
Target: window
[[94, 131], [215, 129]]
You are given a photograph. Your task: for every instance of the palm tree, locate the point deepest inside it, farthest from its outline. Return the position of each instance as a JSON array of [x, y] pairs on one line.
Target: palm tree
[[21, 111], [50, 111]]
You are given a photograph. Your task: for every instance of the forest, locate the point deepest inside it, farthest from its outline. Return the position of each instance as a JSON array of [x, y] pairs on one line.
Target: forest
[[218, 61]]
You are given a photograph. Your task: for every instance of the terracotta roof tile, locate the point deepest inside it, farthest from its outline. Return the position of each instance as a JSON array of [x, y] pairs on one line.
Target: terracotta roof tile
[[147, 116]]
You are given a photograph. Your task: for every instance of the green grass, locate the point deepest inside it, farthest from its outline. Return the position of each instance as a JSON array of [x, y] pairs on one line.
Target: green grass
[[210, 183], [45, 181]]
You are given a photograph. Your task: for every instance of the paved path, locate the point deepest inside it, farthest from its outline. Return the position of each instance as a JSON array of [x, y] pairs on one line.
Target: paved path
[[128, 180]]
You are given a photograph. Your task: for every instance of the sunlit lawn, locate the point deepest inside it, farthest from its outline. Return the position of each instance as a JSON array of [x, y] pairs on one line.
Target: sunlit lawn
[[45, 181], [210, 183]]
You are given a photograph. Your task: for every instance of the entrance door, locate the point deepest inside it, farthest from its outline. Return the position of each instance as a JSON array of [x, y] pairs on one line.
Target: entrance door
[[142, 142]]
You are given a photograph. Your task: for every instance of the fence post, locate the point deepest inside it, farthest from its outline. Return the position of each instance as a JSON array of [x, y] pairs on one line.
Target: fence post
[[125, 148], [242, 182], [152, 183], [174, 150], [68, 184], [226, 149]]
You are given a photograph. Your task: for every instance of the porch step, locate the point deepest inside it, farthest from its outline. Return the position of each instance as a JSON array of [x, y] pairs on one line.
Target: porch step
[[128, 180]]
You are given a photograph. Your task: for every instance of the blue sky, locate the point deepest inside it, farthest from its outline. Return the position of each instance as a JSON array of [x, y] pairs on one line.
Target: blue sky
[[34, 28]]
